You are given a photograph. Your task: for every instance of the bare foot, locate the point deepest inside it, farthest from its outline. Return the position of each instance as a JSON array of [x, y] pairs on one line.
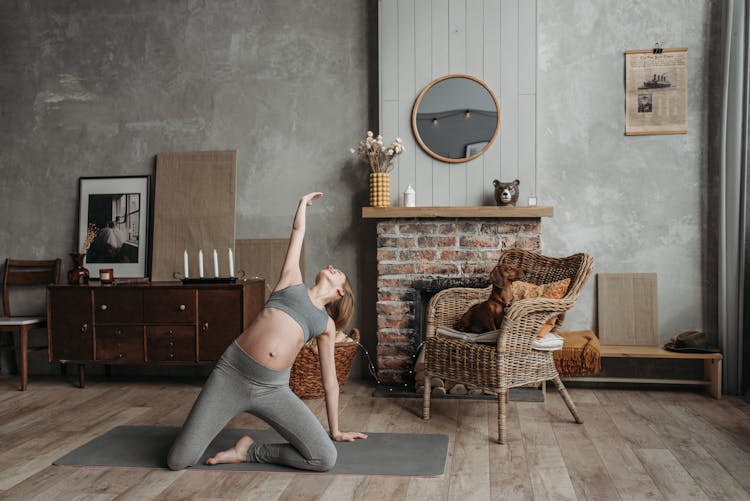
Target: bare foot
[[237, 454]]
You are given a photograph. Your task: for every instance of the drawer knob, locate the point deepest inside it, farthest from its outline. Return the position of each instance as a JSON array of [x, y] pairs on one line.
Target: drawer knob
[[170, 332], [121, 355], [204, 327], [84, 328], [103, 307], [118, 332], [171, 343], [171, 355], [182, 307]]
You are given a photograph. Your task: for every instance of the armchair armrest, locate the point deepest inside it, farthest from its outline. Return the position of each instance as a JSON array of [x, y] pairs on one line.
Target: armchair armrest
[[524, 318]]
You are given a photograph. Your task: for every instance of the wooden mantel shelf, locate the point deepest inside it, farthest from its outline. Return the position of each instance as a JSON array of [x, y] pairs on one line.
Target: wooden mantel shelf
[[487, 211]]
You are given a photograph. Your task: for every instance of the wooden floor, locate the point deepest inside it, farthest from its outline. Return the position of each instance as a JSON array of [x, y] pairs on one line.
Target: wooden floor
[[632, 445]]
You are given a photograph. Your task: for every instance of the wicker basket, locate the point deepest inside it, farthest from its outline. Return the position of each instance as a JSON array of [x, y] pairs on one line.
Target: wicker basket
[[305, 380]]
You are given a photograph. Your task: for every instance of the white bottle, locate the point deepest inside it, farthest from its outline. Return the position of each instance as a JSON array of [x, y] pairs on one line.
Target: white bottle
[[409, 197]]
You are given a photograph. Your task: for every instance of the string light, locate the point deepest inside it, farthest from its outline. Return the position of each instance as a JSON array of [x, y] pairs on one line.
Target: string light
[[434, 121], [373, 372], [467, 114]]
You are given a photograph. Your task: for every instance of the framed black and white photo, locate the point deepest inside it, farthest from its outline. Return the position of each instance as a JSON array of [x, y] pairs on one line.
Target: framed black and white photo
[[113, 224]]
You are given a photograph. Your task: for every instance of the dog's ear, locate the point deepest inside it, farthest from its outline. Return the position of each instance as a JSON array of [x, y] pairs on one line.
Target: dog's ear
[[496, 277]]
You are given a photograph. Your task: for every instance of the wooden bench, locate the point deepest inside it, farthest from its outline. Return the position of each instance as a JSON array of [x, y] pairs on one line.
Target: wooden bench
[[711, 366]]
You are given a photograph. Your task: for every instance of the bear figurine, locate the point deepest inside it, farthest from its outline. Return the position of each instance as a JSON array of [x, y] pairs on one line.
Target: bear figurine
[[506, 193]]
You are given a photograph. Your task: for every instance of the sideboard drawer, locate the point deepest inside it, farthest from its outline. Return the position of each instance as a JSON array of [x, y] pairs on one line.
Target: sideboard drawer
[[119, 344], [118, 305], [171, 343], [173, 306]]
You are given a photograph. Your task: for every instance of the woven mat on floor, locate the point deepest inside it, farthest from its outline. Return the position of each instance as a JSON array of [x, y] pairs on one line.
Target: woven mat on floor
[[400, 454], [580, 354]]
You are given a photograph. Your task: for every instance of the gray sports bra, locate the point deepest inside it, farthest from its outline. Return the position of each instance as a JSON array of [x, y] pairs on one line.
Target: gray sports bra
[[295, 301]]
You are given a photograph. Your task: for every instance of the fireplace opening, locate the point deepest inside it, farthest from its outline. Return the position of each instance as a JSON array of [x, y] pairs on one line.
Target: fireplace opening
[[425, 289]]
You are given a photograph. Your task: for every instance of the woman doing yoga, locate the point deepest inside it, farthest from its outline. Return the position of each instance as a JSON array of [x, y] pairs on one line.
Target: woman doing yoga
[[253, 373]]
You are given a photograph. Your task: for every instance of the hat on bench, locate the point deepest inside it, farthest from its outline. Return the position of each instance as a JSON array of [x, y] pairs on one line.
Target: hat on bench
[[690, 342]]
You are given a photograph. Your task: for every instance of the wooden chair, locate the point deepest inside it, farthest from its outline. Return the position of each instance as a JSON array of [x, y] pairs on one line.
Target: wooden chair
[[511, 362], [25, 273]]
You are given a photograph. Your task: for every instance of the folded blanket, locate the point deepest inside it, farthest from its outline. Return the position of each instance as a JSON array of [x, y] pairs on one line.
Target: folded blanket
[[580, 354]]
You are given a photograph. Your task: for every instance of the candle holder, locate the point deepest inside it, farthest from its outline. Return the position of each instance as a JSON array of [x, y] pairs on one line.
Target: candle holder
[[208, 280]]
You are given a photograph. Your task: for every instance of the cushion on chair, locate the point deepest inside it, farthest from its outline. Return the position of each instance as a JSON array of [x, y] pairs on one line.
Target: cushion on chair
[[552, 290]]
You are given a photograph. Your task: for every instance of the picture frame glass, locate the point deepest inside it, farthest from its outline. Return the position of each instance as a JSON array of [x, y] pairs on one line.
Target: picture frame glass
[[113, 224]]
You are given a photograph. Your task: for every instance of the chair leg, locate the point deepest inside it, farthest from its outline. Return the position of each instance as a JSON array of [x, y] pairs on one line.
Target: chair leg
[[567, 399], [502, 405], [23, 341], [426, 398]]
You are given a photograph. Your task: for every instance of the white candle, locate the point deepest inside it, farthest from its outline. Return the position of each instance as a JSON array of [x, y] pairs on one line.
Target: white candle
[[200, 263], [231, 263], [216, 264], [185, 264]]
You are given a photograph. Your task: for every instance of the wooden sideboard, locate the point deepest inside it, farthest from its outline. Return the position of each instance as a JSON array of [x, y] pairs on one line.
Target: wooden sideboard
[[160, 323]]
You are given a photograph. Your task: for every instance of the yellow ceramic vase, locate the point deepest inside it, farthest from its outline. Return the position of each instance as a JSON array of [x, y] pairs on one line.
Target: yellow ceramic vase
[[380, 189]]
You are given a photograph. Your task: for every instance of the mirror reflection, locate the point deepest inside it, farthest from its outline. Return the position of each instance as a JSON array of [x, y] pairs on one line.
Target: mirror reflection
[[456, 118]]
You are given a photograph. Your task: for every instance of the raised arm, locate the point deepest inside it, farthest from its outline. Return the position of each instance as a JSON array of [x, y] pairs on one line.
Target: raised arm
[[290, 272], [326, 344]]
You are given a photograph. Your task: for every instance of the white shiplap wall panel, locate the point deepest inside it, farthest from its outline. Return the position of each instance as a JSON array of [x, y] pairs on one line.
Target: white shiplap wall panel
[[492, 60], [509, 89], [457, 21], [388, 68], [494, 40], [389, 121], [527, 47], [406, 83], [527, 99], [475, 66], [526, 145], [422, 76], [440, 66]]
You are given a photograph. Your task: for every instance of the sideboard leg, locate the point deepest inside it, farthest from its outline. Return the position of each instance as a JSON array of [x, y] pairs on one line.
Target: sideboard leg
[[63, 369], [81, 375], [108, 370]]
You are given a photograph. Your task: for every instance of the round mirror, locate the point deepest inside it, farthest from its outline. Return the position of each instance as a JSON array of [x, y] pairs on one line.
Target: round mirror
[[456, 118]]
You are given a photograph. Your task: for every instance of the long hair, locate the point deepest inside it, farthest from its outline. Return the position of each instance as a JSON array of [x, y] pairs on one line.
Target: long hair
[[342, 309]]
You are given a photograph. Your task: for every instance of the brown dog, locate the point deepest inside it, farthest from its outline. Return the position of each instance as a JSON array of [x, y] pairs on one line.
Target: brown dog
[[488, 315]]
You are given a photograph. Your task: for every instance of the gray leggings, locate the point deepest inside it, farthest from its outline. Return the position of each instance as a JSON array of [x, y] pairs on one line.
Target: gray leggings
[[239, 383]]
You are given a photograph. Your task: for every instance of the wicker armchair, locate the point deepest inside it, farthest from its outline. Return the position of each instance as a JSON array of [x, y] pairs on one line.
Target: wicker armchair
[[511, 362]]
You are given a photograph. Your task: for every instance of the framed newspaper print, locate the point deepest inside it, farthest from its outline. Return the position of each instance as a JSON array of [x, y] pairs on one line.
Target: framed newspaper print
[[656, 91]]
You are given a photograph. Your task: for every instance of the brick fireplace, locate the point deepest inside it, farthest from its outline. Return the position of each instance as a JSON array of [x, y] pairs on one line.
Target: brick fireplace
[[419, 256]]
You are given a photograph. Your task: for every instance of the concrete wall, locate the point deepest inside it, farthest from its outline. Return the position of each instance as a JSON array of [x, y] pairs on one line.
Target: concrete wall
[[97, 88], [637, 204]]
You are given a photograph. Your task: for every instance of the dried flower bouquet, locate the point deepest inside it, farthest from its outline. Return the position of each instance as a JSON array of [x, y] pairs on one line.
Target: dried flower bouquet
[[373, 152]]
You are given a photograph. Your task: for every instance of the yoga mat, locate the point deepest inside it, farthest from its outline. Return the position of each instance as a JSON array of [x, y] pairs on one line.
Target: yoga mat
[[402, 454]]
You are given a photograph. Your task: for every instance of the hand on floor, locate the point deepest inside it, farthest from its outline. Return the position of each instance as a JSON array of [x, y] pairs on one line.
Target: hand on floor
[[348, 436]]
